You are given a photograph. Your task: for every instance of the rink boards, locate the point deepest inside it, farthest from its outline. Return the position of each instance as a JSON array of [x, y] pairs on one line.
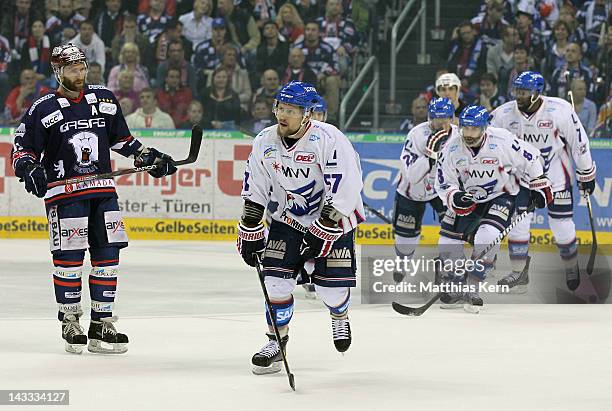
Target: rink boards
[[202, 202]]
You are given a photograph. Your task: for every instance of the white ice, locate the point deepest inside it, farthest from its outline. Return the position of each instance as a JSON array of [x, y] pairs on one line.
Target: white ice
[[194, 316]]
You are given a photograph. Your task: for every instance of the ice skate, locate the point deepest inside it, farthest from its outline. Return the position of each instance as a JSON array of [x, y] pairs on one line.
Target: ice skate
[[269, 360], [516, 281], [472, 303], [341, 332], [104, 338], [309, 291], [73, 334]]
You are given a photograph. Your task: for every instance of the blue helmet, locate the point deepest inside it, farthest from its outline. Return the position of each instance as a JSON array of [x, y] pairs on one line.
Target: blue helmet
[[474, 116], [529, 80], [298, 94], [441, 108], [321, 106]]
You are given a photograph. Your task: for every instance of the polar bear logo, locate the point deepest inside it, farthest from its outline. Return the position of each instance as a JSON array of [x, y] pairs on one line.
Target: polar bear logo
[[85, 145]]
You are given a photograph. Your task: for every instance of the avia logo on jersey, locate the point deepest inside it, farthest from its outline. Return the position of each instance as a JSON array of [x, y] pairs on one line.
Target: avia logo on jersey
[[500, 211], [84, 124], [304, 157], [489, 160], [303, 200], [340, 253], [278, 245], [406, 221], [545, 124], [481, 173], [291, 173], [535, 138], [52, 118]]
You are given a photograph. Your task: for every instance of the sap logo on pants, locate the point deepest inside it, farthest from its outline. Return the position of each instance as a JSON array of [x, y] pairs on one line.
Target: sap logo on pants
[[284, 315]]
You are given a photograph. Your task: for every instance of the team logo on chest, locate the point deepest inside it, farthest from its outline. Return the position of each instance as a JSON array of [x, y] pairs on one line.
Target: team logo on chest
[[85, 146], [303, 200]]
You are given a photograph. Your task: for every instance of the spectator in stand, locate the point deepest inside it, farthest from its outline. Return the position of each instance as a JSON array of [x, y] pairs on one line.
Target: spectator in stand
[[577, 33], [108, 24], [83, 7], [170, 7], [174, 98], [261, 10], [468, 54], [195, 115], [15, 22], [241, 27], [261, 116], [129, 59], [63, 26], [5, 59], [489, 97], [207, 55], [239, 77], [127, 106], [593, 17], [21, 97], [500, 58], [290, 23], [489, 25], [197, 25], [272, 53], [88, 41], [308, 9], [149, 115], [94, 74], [449, 85], [521, 63], [529, 35], [418, 111], [221, 103], [573, 64], [173, 32], [270, 83], [585, 108], [555, 56], [153, 23], [430, 91], [604, 55], [130, 34], [176, 59], [339, 32], [297, 70], [322, 59], [36, 51], [125, 88]]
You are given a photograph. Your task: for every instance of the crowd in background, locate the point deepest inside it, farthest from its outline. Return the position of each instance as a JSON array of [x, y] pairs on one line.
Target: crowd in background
[[569, 42], [174, 63]]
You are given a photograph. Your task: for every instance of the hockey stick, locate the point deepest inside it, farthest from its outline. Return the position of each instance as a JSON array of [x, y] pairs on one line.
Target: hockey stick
[[591, 263], [194, 150], [402, 309], [377, 213], [274, 326]]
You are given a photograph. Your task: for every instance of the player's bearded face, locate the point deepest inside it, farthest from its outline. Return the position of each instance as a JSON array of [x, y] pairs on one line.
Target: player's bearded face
[[289, 119], [437, 124], [74, 76], [472, 136]]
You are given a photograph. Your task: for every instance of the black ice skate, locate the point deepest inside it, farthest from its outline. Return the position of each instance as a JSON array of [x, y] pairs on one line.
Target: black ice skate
[[517, 281], [269, 360], [73, 334], [104, 338], [309, 291], [472, 303], [341, 332], [572, 277], [398, 276]]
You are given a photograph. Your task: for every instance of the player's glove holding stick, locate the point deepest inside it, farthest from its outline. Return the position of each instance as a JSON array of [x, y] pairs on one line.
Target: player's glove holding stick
[[150, 156], [586, 181], [321, 234], [251, 242], [434, 144], [541, 194], [34, 175], [462, 202]]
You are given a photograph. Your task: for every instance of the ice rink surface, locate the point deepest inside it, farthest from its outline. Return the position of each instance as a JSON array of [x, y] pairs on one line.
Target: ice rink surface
[[194, 316]]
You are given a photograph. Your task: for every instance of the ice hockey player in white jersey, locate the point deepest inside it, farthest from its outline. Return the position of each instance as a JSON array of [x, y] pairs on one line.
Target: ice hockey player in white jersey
[[552, 126], [478, 180], [418, 175], [448, 85], [311, 171]]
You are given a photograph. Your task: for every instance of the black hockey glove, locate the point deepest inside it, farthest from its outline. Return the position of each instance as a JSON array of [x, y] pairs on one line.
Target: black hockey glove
[[586, 181], [462, 203], [318, 240], [541, 194], [434, 145], [34, 175], [251, 240], [150, 156]]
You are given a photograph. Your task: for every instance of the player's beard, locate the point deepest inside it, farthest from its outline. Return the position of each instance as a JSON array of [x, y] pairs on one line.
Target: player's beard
[[77, 85], [286, 132]]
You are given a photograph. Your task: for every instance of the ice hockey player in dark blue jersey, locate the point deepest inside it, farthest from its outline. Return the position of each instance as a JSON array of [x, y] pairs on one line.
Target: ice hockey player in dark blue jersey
[[69, 133]]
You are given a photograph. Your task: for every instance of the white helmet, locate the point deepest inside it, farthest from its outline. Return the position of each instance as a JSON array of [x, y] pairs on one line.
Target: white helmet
[[448, 80]]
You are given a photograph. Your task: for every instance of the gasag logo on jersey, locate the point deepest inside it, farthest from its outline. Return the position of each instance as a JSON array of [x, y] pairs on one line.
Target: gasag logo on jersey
[[85, 146], [489, 160], [52, 118], [84, 124], [545, 124], [303, 200], [107, 108], [270, 152], [305, 157], [91, 98]]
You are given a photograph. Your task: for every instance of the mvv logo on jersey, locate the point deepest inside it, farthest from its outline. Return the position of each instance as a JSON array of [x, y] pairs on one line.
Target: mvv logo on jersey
[[304, 157]]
